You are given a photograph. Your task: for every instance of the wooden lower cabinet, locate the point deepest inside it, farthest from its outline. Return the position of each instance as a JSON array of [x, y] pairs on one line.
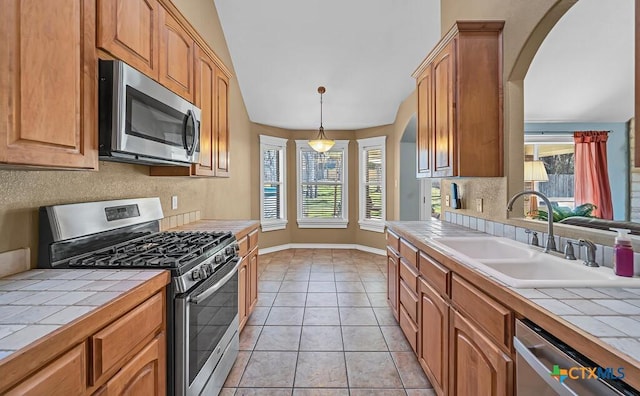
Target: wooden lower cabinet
[[243, 283], [54, 379], [434, 337], [248, 277], [393, 277], [253, 279], [121, 352], [144, 374], [476, 365]]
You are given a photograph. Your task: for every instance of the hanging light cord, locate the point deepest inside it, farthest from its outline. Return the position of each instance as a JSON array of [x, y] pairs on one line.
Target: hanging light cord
[[321, 127]]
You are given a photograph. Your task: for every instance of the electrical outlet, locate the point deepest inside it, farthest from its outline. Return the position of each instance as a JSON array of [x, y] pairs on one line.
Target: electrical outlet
[[447, 201], [174, 202], [479, 205]]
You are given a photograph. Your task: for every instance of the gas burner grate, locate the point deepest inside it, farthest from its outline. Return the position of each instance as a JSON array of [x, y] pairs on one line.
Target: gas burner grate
[[161, 250]]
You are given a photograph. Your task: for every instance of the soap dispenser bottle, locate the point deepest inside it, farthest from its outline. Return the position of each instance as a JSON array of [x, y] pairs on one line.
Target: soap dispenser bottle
[[623, 254]]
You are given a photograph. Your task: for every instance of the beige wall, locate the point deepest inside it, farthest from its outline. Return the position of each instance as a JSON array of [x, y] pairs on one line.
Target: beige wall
[[352, 234], [22, 192]]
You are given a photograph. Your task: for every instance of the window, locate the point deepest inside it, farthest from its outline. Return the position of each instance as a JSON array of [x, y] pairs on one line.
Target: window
[[372, 186], [322, 186], [557, 152], [273, 201]]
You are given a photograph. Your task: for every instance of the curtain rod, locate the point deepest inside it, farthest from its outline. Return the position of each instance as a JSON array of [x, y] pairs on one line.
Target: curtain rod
[[557, 132]]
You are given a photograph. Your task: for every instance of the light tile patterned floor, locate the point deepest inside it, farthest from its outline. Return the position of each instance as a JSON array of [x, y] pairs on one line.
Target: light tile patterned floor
[[323, 327]]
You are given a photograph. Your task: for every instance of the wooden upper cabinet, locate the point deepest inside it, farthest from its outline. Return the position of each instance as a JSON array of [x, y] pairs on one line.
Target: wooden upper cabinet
[[205, 92], [128, 30], [443, 112], [460, 127], [476, 365], [222, 154], [48, 84], [177, 49], [424, 138]]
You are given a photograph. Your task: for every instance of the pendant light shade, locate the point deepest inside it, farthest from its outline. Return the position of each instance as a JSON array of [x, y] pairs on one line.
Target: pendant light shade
[[321, 143]]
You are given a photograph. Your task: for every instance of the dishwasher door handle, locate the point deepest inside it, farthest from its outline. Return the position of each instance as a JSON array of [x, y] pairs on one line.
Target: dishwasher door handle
[[542, 370]]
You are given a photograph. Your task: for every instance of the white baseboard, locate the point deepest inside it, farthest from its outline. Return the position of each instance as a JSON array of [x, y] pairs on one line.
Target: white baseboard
[[287, 246]]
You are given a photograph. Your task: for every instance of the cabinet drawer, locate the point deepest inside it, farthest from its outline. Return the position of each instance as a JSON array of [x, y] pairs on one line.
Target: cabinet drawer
[[409, 300], [435, 273], [253, 240], [409, 274], [64, 376], [492, 317], [244, 246], [409, 252], [119, 339], [409, 328], [393, 241]]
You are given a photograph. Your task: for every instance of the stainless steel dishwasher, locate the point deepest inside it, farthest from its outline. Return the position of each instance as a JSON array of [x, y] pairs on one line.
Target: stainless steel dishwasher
[[546, 366]]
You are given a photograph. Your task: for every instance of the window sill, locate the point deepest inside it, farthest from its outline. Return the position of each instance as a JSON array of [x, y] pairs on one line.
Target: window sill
[[323, 223], [273, 225], [371, 226]]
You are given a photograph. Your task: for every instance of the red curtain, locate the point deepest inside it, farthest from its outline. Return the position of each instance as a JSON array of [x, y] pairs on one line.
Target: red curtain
[[591, 175]]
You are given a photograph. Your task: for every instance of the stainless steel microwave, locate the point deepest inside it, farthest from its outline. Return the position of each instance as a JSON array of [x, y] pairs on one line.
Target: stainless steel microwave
[[143, 122]]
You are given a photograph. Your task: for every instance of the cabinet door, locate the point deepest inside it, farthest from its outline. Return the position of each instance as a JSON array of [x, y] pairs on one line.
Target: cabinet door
[[434, 332], [222, 125], [392, 281], [476, 365], [243, 284], [128, 30], [176, 57], [48, 88], [443, 112], [144, 374], [64, 376], [424, 139], [253, 281], [205, 99]]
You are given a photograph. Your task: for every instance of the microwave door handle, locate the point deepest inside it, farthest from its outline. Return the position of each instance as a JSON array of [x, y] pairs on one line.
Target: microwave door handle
[[542, 370], [185, 129], [196, 136], [216, 286]]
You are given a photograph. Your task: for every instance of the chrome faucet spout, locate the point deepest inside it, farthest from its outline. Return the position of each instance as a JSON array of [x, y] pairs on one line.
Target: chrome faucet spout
[[551, 242]]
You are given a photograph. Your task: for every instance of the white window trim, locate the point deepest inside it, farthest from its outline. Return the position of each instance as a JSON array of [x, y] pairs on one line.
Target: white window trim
[[271, 142], [324, 223], [363, 144]]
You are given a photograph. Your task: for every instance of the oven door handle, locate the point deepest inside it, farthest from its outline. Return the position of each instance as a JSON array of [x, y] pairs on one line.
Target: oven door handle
[[216, 286], [543, 371]]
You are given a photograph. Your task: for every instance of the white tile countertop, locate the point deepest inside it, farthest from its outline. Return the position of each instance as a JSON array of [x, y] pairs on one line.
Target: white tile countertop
[[610, 314], [35, 303]]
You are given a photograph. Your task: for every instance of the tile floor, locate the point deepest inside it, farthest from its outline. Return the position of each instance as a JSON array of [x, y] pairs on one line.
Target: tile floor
[[322, 327]]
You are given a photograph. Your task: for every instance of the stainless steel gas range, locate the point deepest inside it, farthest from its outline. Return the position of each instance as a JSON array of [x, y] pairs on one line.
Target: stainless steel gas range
[[203, 297]]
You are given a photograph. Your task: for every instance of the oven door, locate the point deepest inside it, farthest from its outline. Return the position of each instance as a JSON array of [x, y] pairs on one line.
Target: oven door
[[151, 121], [206, 323]]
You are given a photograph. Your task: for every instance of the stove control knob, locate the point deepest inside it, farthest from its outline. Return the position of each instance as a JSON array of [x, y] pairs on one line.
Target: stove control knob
[[206, 270], [218, 259], [195, 274], [236, 247], [229, 250]]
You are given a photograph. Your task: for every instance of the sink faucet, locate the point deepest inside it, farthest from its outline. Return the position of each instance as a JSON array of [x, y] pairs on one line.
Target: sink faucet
[[551, 242], [590, 261]]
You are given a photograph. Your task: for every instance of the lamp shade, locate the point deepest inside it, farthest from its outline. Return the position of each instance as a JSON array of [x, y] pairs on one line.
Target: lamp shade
[[321, 143], [534, 171]]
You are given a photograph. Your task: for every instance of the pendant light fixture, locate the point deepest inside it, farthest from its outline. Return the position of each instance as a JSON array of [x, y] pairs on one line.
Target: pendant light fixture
[[321, 143]]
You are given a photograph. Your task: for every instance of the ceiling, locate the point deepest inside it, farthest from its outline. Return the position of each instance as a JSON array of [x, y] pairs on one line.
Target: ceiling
[[584, 70], [364, 52]]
